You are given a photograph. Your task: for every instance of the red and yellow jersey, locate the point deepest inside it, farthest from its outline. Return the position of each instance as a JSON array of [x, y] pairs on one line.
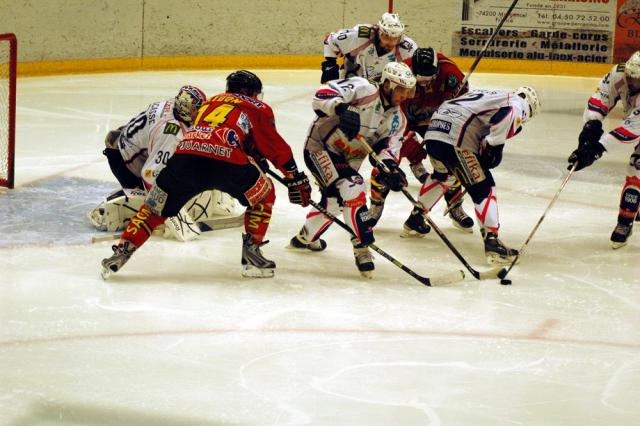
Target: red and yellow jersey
[[429, 97], [230, 126]]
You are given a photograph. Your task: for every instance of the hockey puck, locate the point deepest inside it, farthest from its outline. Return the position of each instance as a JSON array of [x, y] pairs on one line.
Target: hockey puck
[[505, 282]]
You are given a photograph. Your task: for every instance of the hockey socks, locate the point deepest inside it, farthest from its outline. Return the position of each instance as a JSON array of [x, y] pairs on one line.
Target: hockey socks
[[140, 227]]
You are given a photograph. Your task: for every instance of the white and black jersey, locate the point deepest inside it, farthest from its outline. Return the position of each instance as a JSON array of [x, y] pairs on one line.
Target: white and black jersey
[[478, 117]]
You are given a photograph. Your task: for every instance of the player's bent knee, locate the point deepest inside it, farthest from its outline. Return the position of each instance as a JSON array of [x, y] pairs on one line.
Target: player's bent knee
[[480, 191]]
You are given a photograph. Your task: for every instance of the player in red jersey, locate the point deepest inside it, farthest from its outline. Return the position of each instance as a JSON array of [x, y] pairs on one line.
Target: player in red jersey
[[233, 132], [438, 80]]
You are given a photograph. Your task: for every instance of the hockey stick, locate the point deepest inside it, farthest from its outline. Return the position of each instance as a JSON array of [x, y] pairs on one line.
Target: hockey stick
[[480, 275], [486, 46], [458, 196], [215, 224], [504, 273], [449, 278]]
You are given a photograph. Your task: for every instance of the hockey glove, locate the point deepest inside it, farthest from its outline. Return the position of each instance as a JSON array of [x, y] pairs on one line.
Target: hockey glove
[[330, 70], [395, 179], [349, 120], [491, 156], [591, 132], [585, 155], [412, 149], [299, 188]]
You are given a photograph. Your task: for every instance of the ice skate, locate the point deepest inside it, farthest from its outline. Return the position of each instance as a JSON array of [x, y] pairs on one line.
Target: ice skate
[[364, 259], [299, 242], [415, 226], [254, 264], [620, 235], [497, 253], [121, 255], [460, 219]]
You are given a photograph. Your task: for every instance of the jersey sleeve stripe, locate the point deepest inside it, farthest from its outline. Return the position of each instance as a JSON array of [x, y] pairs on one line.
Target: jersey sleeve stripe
[[624, 135], [597, 106]]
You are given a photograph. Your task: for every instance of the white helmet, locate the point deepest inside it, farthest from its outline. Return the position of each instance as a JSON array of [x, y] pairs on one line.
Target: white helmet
[[632, 67], [531, 97], [390, 25], [398, 74]]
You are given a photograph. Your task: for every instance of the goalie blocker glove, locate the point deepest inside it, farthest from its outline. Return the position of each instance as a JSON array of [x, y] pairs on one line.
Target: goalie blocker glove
[[299, 188], [395, 179], [330, 70], [349, 120], [585, 155]]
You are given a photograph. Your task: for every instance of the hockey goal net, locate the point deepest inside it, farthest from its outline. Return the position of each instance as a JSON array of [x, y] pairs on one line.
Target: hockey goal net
[[8, 59]]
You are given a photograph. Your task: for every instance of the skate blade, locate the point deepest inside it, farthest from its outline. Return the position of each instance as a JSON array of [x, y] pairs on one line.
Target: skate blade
[[496, 259], [250, 271], [616, 245], [462, 228], [105, 273], [410, 233]]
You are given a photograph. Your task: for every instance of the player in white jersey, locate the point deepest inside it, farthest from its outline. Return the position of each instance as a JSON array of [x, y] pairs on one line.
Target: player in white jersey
[[366, 49], [136, 153], [622, 84], [465, 139], [333, 153]]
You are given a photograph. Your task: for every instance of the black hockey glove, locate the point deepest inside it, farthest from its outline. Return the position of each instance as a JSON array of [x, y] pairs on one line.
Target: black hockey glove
[[330, 70], [585, 155], [591, 132], [491, 156], [299, 188], [395, 179], [349, 120]]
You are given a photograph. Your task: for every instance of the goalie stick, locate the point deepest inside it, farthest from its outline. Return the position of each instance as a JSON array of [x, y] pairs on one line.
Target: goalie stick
[[444, 279], [480, 275], [208, 225]]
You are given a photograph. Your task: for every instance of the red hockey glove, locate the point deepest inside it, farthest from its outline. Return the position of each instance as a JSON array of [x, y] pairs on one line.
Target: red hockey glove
[[411, 148], [299, 188]]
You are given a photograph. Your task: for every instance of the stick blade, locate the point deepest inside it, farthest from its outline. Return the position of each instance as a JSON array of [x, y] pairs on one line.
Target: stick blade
[[448, 278], [491, 273]]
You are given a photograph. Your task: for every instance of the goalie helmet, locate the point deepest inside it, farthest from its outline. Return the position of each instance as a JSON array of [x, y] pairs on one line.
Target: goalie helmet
[[244, 82], [632, 66], [187, 103], [425, 63], [530, 95], [398, 74], [391, 25]]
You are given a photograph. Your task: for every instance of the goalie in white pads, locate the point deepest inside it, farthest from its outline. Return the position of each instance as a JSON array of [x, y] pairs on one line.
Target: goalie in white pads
[[366, 49], [333, 153], [622, 84], [465, 139], [136, 153]]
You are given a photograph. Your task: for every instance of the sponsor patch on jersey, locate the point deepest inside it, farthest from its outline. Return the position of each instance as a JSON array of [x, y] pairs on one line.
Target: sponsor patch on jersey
[[326, 94], [232, 138], [364, 32], [244, 123], [439, 126], [620, 67], [171, 129]]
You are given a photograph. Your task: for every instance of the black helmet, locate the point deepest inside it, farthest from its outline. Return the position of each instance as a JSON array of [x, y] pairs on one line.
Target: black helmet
[[425, 62], [244, 82]]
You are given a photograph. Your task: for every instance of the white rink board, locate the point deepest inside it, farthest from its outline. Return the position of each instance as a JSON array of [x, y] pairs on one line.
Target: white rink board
[[177, 337]]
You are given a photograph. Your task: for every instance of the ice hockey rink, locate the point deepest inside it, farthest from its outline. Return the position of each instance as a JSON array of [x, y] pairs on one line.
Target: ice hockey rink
[[179, 338]]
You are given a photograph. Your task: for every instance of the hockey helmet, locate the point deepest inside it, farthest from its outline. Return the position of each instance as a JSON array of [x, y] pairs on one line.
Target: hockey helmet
[[632, 67], [187, 103], [398, 74], [530, 95], [425, 64], [390, 25], [244, 82]]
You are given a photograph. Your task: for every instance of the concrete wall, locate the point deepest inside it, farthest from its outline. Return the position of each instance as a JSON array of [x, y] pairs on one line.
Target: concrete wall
[[52, 30]]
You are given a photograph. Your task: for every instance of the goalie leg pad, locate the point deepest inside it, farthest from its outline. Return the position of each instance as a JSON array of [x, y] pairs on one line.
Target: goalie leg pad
[[210, 203], [113, 214]]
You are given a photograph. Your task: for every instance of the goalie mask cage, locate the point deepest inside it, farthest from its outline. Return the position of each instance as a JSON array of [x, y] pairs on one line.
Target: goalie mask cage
[[8, 59]]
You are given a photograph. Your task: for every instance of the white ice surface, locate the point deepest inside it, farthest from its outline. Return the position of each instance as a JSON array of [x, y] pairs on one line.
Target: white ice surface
[[178, 338]]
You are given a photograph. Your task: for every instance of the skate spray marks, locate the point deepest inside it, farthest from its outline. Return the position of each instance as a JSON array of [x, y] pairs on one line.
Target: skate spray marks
[[51, 211]]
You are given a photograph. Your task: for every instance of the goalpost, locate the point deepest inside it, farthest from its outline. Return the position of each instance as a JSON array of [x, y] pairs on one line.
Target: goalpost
[[8, 59]]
